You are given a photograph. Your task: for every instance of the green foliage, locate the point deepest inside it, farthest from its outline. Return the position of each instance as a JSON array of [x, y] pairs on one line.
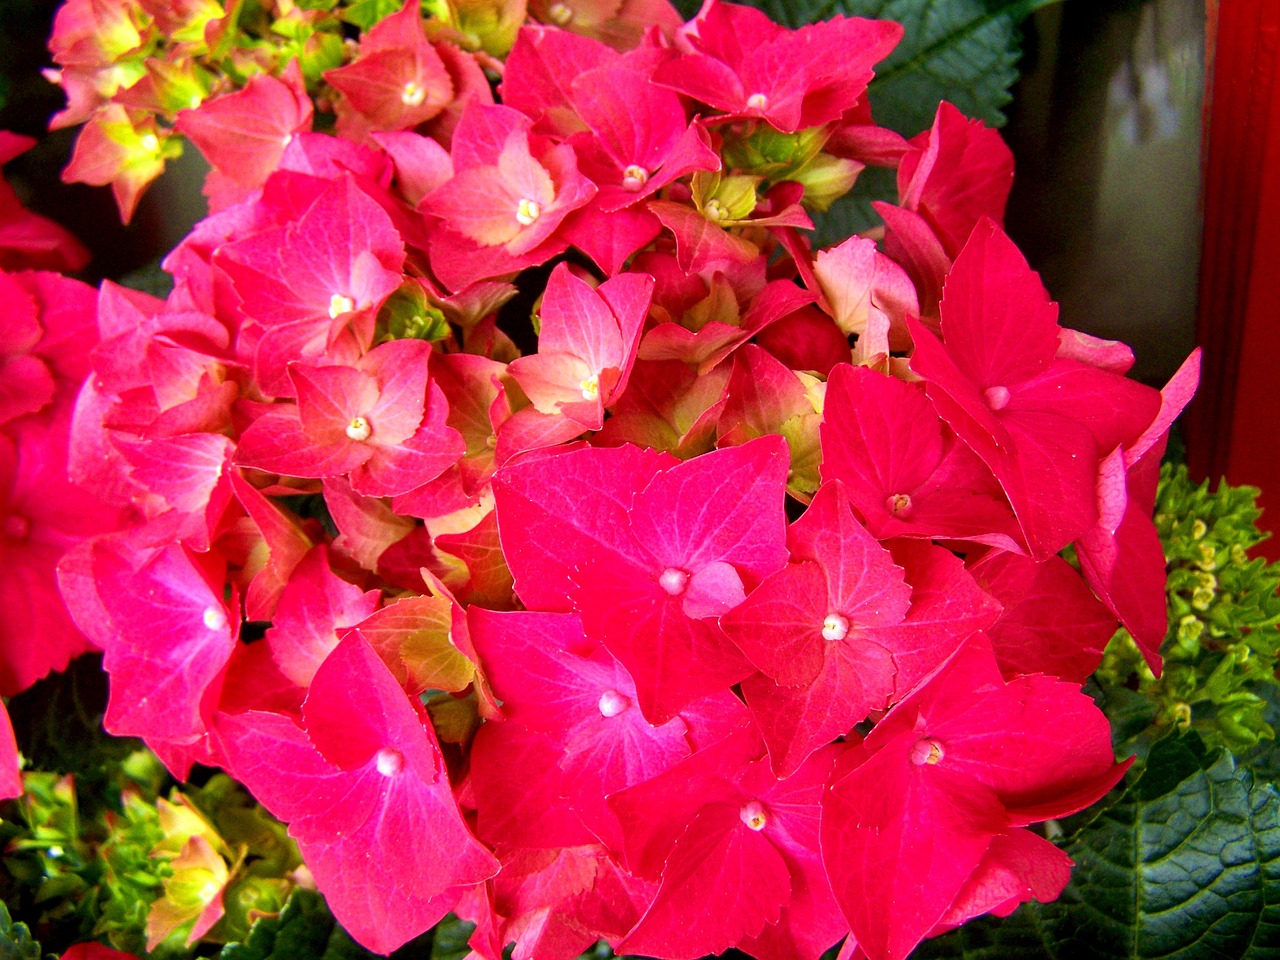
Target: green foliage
[[1221, 650], [15, 939], [1184, 864], [107, 872], [58, 723], [450, 941], [304, 930], [964, 51], [365, 13], [132, 880]]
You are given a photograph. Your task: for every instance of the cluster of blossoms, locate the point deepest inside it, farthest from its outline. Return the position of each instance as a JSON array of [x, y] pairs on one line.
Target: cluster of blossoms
[[728, 615], [47, 322]]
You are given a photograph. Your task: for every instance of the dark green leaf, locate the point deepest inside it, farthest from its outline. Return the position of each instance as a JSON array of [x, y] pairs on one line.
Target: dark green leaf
[[853, 212], [302, 931], [1184, 866], [1129, 711], [15, 939], [149, 278], [450, 941], [58, 723], [306, 930], [964, 51]]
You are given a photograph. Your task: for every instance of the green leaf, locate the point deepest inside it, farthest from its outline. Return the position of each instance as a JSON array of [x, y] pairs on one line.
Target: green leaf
[[365, 13], [964, 51], [306, 930], [58, 723], [149, 278], [15, 939], [450, 940], [1184, 865], [302, 931]]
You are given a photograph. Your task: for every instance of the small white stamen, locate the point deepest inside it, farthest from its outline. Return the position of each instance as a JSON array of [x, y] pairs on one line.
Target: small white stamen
[[359, 428], [590, 388], [215, 618], [286, 140], [150, 142], [54, 851], [634, 177], [413, 94], [673, 581], [997, 397], [612, 703], [338, 305], [715, 210], [835, 627], [389, 762], [527, 211], [926, 751], [753, 815], [758, 101], [560, 14]]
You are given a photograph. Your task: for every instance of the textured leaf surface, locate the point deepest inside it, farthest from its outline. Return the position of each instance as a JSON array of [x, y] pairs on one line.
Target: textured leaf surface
[[306, 930], [15, 939], [1185, 865]]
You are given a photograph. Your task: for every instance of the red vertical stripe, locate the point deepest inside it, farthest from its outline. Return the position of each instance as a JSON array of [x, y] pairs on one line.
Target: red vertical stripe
[[1234, 427]]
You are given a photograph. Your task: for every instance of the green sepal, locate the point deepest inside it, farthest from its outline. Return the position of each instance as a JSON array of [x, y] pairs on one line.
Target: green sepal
[[407, 315]]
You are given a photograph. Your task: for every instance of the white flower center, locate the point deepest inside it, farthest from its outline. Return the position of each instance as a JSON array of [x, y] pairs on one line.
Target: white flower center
[[674, 581], [634, 177], [215, 618], [150, 142], [715, 210], [753, 815], [389, 761], [997, 397], [835, 627], [359, 428], [590, 388], [338, 305], [560, 14], [528, 211], [758, 101], [612, 703], [413, 94], [926, 751]]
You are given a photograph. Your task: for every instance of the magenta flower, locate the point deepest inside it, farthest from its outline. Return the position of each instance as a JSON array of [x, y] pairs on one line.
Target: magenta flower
[[378, 421], [364, 789], [941, 790]]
